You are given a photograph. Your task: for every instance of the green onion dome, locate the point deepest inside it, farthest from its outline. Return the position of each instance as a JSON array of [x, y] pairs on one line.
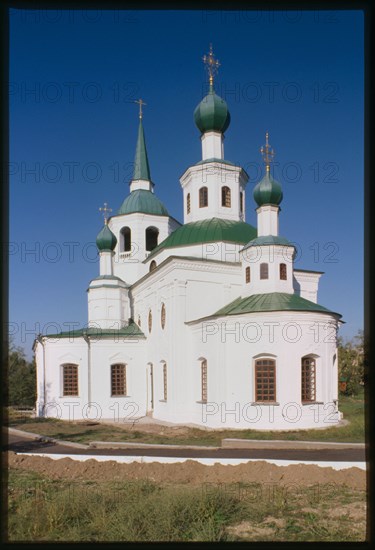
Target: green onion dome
[[268, 191], [212, 114], [106, 240]]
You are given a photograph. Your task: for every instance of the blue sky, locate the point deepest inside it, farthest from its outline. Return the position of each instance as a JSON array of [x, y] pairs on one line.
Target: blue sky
[[74, 76]]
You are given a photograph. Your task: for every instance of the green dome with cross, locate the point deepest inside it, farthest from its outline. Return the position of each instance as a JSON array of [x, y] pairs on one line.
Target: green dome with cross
[[212, 114], [106, 241], [268, 190]]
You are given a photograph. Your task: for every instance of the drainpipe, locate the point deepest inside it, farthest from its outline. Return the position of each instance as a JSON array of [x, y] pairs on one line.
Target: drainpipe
[[88, 341], [39, 339]]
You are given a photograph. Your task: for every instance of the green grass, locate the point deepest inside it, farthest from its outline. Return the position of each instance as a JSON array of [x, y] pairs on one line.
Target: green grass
[[41, 509], [352, 407]]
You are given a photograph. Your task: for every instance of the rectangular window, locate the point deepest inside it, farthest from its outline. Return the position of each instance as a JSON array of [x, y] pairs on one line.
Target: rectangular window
[[265, 380], [165, 381], [70, 380], [204, 381], [308, 379], [264, 271], [248, 275], [283, 272], [203, 197], [118, 380]]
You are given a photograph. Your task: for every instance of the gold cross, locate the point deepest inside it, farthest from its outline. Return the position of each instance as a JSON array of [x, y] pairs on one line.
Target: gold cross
[[212, 65], [140, 103], [104, 209], [267, 153]]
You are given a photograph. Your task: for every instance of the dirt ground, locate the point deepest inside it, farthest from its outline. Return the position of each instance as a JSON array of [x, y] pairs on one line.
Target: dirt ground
[[189, 472]]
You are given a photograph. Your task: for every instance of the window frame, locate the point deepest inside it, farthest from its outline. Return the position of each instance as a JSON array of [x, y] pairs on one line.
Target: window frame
[[123, 374], [247, 275], [263, 271], [163, 315], [203, 197], [165, 382], [150, 232], [74, 383], [311, 376], [283, 272], [226, 197], [125, 238], [204, 383], [262, 397]]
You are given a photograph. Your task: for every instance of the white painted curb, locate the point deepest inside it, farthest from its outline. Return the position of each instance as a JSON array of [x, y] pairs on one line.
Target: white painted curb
[[206, 461]]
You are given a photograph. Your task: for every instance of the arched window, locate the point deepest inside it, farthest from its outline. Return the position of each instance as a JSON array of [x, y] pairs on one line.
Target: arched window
[[165, 381], [248, 275], [264, 271], [149, 321], [203, 197], [162, 316], [152, 265], [308, 379], [241, 202], [139, 320], [70, 379], [152, 234], [118, 379], [225, 197], [282, 272], [204, 381], [265, 380], [125, 239], [188, 203]]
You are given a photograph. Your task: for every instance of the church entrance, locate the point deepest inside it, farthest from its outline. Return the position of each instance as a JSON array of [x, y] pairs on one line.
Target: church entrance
[[150, 388]]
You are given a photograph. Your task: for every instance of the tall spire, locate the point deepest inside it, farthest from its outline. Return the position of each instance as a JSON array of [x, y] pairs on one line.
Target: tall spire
[[141, 166]]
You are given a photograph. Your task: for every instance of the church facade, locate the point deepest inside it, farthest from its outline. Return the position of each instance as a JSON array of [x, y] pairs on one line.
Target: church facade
[[205, 323]]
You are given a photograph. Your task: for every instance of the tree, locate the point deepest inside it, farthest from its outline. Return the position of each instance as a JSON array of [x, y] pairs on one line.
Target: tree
[[351, 363], [21, 378]]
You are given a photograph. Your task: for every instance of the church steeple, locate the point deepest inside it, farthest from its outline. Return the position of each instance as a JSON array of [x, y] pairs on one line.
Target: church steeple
[[141, 173]]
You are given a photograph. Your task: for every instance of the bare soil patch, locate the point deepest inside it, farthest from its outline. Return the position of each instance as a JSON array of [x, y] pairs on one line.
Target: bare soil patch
[[189, 472]]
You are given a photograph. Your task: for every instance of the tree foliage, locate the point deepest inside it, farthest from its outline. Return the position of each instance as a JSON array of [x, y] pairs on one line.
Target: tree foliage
[[21, 379], [351, 363]]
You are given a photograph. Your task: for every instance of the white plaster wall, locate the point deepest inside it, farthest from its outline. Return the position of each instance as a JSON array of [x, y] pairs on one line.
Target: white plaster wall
[[58, 352], [219, 251], [230, 345], [214, 176], [108, 305], [306, 284], [129, 266], [273, 255]]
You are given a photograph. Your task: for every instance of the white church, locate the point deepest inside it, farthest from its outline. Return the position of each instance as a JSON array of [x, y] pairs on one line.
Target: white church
[[204, 323]]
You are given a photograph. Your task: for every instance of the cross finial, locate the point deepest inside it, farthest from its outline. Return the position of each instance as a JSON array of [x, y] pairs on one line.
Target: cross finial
[[267, 153], [140, 103], [212, 65], [104, 209]]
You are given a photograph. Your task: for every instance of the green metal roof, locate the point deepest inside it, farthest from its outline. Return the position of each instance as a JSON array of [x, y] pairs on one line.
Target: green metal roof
[[142, 200], [106, 240], [130, 331], [268, 191], [268, 240], [211, 230], [212, 114], [274, 301], [141, 166]]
